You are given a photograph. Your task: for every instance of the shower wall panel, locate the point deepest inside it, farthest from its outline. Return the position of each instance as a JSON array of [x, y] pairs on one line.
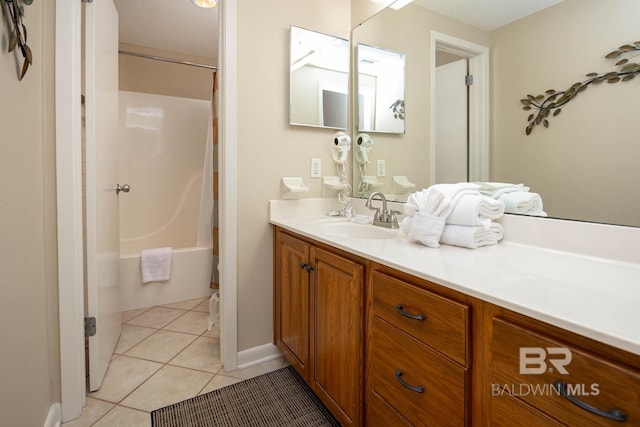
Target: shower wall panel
[[162, 146]]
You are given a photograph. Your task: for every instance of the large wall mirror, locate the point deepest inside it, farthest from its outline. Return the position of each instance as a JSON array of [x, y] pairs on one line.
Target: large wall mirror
[[319, 79], [585, 164]]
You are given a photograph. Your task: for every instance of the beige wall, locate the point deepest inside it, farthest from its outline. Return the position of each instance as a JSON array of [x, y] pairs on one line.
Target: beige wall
[[585, 165], [408, 30], [29, 354], [268, 147], [164, 78]]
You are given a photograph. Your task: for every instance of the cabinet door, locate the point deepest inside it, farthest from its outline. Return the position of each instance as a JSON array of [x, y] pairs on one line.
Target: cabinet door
[[336, 334], [292, 302]]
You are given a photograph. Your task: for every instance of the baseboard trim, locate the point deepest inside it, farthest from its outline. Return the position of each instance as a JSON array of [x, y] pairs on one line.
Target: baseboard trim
[[256, 355], [54, 417]]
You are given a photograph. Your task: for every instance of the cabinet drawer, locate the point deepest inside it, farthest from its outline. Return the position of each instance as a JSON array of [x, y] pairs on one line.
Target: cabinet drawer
[[437, 321], [398, 358], [507, 411], [591, 379], [381, 414]]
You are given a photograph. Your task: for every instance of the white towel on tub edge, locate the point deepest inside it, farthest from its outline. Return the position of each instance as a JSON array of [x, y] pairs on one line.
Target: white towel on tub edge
[[155, 264]]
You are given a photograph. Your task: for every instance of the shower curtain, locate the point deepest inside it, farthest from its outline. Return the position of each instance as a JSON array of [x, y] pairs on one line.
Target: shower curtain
[[208, 218]]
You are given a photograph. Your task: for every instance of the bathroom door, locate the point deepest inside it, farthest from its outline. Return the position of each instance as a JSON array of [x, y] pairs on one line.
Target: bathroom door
[[451, 123], [102, 228]]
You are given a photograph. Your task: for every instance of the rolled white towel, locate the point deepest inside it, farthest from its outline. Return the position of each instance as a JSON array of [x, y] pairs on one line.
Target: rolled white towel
[[475, 209], [425, 201], [497, 189], [425, 229], [155, 264], [439, 199], [449, 194], [522, 202], [472, 237]]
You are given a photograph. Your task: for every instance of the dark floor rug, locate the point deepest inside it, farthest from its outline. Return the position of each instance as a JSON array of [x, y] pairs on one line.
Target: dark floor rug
[[279, 398]]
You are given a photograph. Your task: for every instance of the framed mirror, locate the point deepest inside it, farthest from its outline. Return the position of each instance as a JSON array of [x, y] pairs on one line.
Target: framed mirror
[[318, 79], [584, 165], [380, 106]]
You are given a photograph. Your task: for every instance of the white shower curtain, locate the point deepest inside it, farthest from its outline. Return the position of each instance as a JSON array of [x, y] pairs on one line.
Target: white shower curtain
[[205, 216]]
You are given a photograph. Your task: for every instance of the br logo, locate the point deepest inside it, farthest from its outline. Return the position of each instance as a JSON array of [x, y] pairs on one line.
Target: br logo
[[533, 360]]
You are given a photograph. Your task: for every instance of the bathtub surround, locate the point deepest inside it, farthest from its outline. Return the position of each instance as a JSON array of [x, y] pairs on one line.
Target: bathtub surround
[[165, 141], [162, 147]]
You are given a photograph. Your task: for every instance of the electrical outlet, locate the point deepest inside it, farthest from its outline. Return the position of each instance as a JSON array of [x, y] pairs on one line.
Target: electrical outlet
[[316, 168], [381, 168]]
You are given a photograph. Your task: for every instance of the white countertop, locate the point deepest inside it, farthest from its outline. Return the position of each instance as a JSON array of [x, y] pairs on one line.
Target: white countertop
[[591, 296]]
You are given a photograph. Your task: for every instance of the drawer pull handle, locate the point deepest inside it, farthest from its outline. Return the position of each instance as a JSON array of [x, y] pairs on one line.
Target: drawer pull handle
[[614, 414], [400, 310], [417, 389]]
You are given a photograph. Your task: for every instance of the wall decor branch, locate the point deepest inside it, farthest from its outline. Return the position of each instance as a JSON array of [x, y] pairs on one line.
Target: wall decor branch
[[398, 109], [13, 11], [553, 100]]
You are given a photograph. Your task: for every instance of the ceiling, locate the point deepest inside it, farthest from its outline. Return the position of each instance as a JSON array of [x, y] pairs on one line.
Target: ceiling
[[487, 14], [180, 26], [174, 25]]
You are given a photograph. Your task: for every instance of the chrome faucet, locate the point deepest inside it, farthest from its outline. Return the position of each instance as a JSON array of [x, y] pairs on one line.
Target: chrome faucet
[[384, 218]]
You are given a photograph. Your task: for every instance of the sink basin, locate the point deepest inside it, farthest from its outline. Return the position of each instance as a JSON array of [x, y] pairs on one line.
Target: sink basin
[[356, 231]]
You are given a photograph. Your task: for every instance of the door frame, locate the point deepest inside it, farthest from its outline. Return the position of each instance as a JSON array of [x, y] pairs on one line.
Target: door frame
[[478, 57], [69, 199], [69, 207]]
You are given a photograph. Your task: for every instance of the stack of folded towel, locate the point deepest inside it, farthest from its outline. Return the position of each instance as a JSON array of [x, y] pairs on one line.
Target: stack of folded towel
[[516, 197], [453, 214]]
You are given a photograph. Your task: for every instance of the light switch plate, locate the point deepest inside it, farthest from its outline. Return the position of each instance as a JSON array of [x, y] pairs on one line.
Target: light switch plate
[[381, 168], [316, 168]]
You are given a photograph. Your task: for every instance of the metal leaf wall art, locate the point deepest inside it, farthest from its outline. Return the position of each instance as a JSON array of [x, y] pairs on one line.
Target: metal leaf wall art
[[13, 11], [551, 102], [398, 109]]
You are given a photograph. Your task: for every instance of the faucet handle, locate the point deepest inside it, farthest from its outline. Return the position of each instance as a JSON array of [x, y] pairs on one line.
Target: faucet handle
[[376, 216], [392, 216]]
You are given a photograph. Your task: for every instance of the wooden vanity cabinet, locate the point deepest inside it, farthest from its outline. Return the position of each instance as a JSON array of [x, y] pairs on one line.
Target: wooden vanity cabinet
[[404, 351], [531, 363], [319, 321]]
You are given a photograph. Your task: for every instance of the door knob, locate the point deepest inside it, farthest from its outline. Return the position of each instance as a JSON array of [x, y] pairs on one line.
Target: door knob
[[124, 188]]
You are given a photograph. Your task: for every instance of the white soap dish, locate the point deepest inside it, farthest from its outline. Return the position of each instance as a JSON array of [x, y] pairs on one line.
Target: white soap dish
[[372, 181], [293, 187], [334, 183], [401, 185]]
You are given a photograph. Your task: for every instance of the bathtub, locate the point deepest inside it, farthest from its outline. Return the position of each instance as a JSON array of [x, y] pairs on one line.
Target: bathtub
[[190, 278]]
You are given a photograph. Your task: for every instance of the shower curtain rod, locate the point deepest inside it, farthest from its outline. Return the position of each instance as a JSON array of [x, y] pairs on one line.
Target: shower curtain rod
[[175, 61]]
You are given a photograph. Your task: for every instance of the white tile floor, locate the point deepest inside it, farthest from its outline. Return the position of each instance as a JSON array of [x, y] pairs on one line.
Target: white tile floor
[[165, 354]]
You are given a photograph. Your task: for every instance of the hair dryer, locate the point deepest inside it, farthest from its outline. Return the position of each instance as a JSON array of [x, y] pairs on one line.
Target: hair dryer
[[341, 147], [364, 143]]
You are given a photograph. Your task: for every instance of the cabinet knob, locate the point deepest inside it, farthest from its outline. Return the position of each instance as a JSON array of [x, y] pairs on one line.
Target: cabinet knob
[[305, 266]]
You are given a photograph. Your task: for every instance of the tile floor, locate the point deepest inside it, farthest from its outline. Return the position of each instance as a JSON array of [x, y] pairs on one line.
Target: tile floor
[[165, 354]]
